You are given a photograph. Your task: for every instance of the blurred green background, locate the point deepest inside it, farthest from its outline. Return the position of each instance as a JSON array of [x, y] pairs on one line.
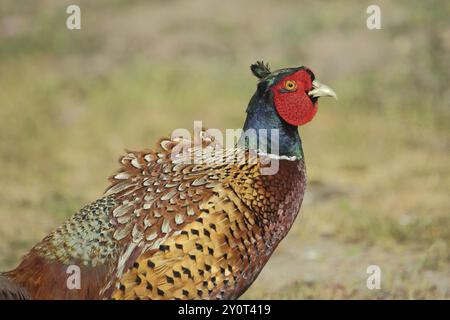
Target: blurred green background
[[378, 159]]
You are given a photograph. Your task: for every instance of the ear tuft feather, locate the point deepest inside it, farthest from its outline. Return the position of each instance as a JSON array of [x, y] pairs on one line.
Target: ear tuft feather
[[260, 70]]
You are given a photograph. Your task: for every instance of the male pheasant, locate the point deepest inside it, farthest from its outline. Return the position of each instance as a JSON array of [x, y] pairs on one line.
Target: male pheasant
[[172, 228]]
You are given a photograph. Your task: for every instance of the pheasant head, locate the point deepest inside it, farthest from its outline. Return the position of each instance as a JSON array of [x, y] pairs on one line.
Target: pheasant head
[[284, 100], [293, 91]]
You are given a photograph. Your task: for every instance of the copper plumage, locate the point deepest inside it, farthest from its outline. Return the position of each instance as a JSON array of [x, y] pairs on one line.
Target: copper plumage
[[171, 227]]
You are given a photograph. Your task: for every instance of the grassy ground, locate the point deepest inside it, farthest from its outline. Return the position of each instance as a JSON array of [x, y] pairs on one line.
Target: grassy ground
[[378, 160]]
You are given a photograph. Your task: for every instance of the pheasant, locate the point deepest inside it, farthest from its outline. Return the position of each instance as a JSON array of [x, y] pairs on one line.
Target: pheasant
[[168, 227]]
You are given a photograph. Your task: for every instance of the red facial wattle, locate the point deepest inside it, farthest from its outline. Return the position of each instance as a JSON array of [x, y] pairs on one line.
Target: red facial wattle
[[295, 107]]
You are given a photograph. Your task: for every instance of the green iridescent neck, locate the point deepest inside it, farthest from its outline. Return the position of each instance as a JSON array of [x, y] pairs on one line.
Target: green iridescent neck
[[262, 116]]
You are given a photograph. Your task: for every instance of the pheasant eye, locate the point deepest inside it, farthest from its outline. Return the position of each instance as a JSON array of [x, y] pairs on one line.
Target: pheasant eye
[[290, 85]]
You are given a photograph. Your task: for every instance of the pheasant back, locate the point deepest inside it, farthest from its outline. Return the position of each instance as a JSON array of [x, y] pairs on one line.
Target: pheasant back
[[168, 228]]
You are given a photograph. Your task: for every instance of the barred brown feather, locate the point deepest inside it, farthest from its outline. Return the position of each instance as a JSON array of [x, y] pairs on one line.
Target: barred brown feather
[[170, 229]]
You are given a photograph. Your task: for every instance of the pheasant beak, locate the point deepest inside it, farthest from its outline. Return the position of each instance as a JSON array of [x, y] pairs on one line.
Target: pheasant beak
[[321, 90]]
